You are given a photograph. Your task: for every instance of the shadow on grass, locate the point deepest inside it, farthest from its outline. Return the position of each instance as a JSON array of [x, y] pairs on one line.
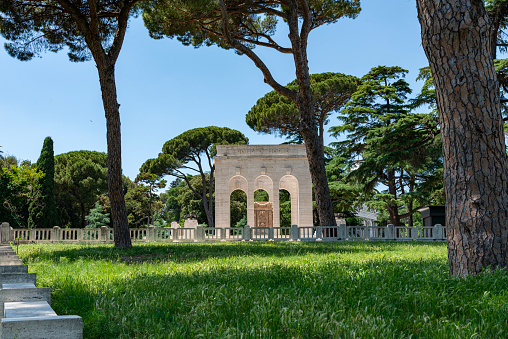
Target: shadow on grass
[[379, 298], [192, 252]]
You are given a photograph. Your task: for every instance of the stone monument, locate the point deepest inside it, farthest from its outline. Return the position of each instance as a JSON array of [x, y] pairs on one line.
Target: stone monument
[[268, 167]]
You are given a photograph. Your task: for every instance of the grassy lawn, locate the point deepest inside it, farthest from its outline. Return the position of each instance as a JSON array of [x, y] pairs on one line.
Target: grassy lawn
[[269, 290]]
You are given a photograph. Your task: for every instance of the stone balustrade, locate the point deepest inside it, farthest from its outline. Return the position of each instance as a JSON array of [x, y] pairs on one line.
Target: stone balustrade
[[246, 233]]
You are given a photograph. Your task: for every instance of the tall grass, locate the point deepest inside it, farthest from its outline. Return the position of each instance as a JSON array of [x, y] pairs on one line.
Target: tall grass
[[270, 290]]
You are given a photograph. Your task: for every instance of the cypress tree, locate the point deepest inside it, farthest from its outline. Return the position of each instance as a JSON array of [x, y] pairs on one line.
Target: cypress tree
[[42, 210]]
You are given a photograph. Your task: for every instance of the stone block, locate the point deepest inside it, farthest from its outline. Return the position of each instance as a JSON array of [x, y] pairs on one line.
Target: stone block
[[14, 269], [15, 278], [7, 252], [11, 262], [23, 292], [8, 256], [54, 327], [23, 309]]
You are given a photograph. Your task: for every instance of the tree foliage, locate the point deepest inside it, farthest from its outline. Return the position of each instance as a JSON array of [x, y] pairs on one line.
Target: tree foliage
[[244, 25], [18, 186], [89, 29], [193, 151], [97, 218], [42, 211], [80, 179], [387, 144], [278, 115]]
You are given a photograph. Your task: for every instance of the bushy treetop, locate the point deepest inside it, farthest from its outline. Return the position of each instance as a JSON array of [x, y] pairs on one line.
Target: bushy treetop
[[190, 146], [253, 23], [36, 26], [276, 114]]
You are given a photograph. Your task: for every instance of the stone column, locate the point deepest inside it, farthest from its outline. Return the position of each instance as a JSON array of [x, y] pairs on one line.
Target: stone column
[[274, 198], [250, 205]]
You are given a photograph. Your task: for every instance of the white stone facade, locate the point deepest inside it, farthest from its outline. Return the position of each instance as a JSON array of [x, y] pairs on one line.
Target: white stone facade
[[268, 167]]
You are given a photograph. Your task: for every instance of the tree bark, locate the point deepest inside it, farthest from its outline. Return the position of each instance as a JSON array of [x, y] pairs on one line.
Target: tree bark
[[83, 215], [308, 122], [457, 39], [116, 197]]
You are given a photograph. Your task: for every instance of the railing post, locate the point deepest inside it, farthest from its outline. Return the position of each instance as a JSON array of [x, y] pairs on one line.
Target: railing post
[[6, 233], [222, 233], [176, 235], [295, 232], [319, 233], [390, 232], [246, 232], [32, 234], [104, 232], [270, 234], [414, 233], [151, 233], [200, 233], [56, 234], [366, 232], [342, 231], [438, 232]]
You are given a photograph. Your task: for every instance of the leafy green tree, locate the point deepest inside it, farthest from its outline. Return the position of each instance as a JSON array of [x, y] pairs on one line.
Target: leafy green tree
[[97, 218], [151, 182], [193, 151], [242, 25], [18, 186], [42, 211], [172, 209], [89, 29], [189, 202], [386, 143], [80, 179], [277, 114]]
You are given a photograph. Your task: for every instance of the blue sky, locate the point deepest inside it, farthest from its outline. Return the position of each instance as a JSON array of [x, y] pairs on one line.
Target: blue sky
[[165, 88]]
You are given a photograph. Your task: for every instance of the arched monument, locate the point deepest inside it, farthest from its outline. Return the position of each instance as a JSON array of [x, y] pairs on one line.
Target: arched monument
[[268, 167]]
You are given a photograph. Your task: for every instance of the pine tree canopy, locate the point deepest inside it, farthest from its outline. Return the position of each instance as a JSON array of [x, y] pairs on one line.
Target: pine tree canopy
[[278, 115]]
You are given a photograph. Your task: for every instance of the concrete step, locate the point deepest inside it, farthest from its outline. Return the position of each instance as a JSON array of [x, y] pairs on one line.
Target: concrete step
[[54, 327], [23, 309], [8, 257], [13, 262], [15, 278], [23, 292], [2, 253], [14, 269]]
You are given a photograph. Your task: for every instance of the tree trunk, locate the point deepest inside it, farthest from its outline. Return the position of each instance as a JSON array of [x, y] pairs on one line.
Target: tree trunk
[[393, 209], [116, 197], [315, 154], [456, 38], [83, 214]]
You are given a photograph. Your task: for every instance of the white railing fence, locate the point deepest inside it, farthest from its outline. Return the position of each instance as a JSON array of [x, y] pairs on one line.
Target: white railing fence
[[246, 233]]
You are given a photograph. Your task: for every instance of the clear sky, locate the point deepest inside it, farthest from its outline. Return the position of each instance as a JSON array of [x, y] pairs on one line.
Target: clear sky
[[165, 88]]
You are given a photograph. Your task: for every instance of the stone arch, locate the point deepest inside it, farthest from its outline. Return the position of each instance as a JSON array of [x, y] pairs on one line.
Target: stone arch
[[267, 167], [264, 182], [238, 182]]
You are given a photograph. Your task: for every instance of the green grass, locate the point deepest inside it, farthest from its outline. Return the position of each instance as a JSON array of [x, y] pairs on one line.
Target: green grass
[[269, 290]]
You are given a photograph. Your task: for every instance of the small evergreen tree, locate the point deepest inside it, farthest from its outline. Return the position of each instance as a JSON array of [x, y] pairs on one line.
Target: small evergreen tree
[[97, 218], [42, 210]]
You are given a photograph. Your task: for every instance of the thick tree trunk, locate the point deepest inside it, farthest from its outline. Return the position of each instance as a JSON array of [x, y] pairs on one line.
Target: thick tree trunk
[[456, 38], [116, 197], [315, 154]]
